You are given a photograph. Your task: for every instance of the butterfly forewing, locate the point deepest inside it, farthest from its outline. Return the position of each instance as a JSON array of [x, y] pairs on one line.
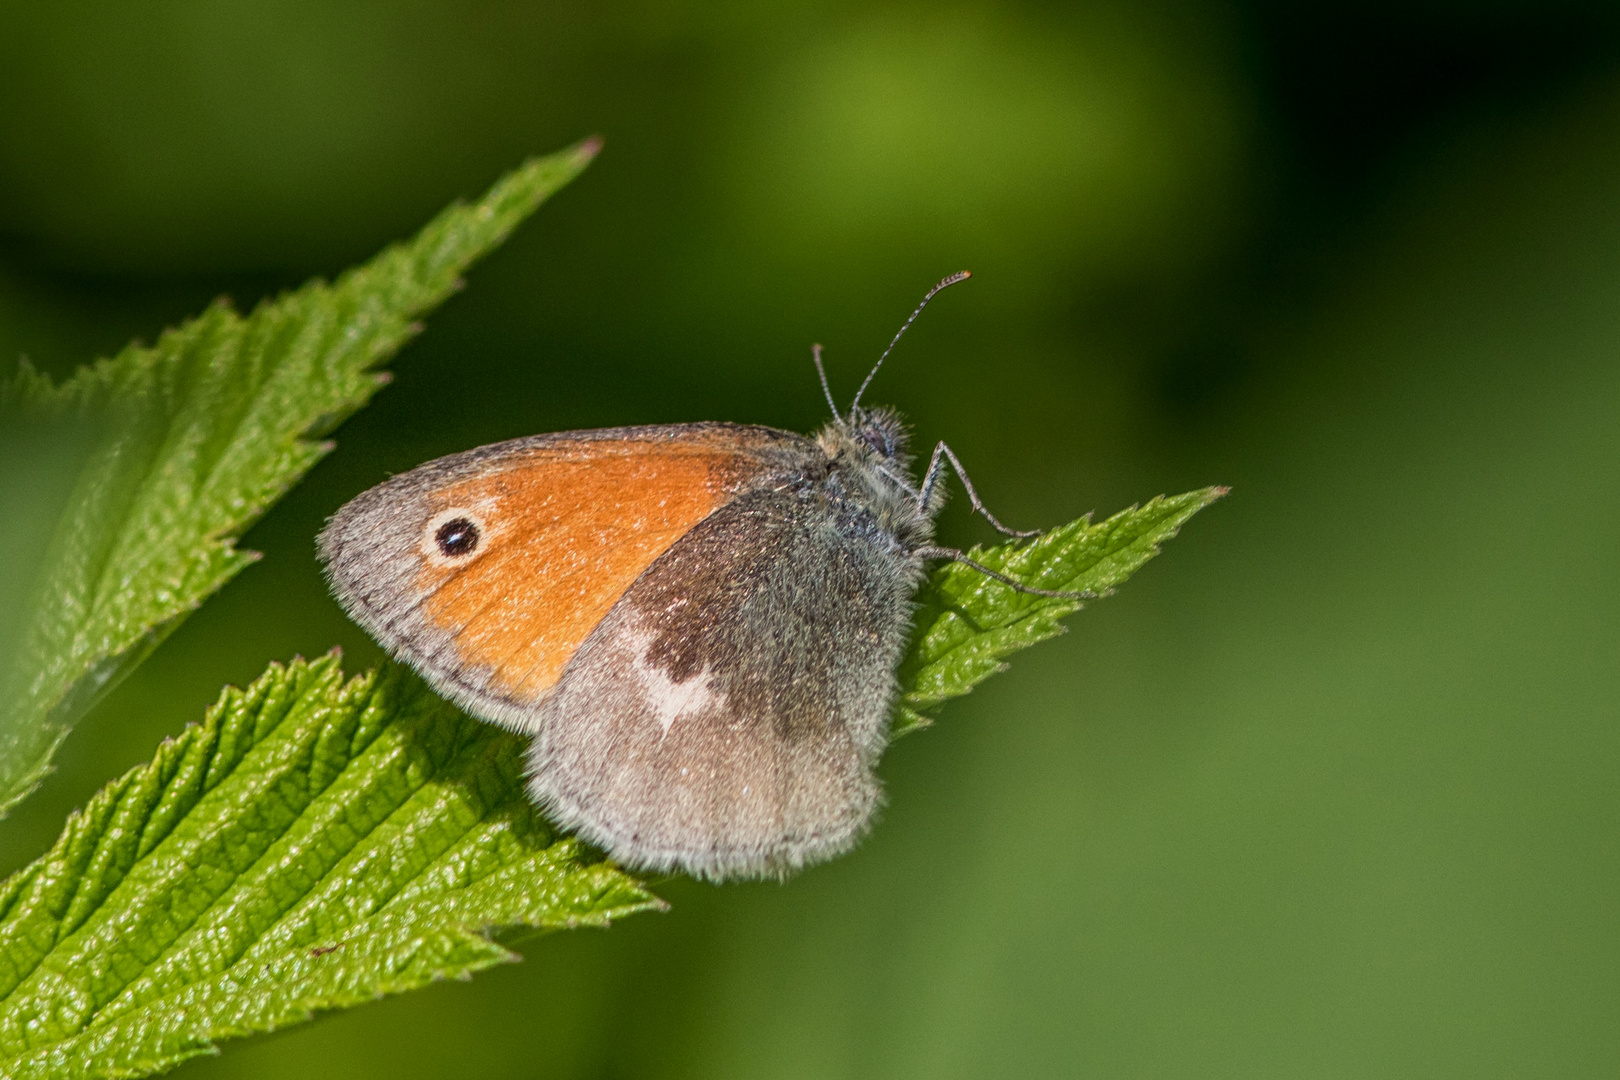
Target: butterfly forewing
[[486, 570]]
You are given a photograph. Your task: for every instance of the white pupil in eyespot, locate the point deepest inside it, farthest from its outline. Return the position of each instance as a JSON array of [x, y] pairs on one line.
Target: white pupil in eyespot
[[458, 536]]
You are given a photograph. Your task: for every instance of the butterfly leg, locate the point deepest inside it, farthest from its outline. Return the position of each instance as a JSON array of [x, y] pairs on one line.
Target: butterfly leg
[[936, 466], [960, 556]]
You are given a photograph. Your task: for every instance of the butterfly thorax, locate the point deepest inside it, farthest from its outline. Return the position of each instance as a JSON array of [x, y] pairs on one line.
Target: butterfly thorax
[[871, 469]]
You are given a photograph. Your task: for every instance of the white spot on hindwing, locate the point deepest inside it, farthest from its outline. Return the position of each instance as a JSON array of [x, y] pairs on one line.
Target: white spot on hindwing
[[667, 699], [671, 700]]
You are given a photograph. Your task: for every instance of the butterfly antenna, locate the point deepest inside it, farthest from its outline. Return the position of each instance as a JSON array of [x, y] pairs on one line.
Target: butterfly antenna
[[815, 354], [960, 275]]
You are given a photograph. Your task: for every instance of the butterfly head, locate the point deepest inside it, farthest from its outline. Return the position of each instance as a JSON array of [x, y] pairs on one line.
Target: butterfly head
[[874, 439], [881, 431]]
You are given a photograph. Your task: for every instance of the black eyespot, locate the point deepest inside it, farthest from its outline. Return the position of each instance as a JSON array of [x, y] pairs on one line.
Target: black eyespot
[[458, 536]]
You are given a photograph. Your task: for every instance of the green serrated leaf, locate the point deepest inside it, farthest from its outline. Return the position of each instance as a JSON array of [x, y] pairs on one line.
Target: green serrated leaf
[[316, 844], [968, 623], [312, 845], [194, 438]]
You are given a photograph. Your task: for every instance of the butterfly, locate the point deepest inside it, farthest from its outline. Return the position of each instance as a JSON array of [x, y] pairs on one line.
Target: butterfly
[[698, 624]]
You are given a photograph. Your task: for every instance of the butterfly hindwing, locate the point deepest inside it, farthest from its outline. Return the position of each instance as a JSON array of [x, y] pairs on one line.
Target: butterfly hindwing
[[725, 716]]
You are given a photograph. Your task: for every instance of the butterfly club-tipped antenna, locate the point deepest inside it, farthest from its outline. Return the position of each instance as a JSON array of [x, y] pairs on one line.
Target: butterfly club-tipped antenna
[[959, 276], [815, 354]]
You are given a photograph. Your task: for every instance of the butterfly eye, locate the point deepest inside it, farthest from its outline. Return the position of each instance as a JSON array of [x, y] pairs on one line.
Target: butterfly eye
[[457, 537], [879, 441]]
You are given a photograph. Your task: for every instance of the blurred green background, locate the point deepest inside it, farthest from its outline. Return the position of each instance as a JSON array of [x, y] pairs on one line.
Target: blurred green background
[[1329, 790]]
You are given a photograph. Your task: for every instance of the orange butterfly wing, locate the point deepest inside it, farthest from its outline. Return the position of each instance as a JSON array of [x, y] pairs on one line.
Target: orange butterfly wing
[[566, 534], [565, 524]]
